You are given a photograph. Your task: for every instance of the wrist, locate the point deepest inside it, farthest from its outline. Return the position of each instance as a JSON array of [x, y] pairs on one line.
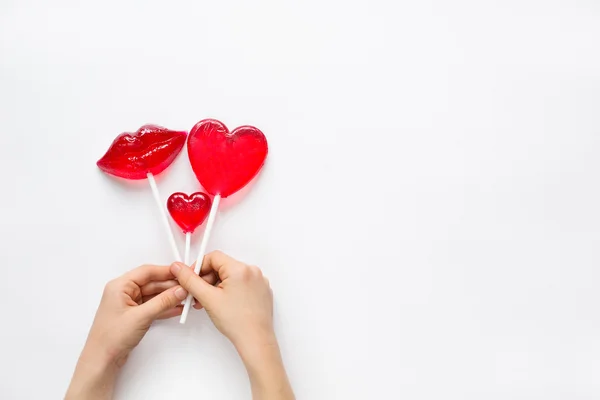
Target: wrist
[[94, 376], [256, 344], [259, 353], [263, 362]]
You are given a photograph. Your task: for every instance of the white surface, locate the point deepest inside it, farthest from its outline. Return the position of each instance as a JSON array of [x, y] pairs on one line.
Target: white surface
[[473, 273]]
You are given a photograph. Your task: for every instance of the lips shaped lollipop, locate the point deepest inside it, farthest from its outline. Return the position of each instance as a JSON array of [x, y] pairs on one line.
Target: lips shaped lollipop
[[143, 154], [224, 162], [151, 149]]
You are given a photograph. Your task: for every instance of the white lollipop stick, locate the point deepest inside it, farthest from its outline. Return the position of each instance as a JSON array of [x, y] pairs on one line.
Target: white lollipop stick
[[186, 254], [211, 221], [163, 217]]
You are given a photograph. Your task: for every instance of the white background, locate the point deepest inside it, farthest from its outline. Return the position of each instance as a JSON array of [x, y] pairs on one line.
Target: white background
[[429, 215]]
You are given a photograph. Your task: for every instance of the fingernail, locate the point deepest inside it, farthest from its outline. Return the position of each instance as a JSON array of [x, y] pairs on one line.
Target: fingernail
[[176, 267], [181, 293]]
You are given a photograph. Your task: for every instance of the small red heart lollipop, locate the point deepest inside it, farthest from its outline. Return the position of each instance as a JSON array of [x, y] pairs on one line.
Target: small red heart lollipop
[[150, 149], [223, 161], [189, 212]]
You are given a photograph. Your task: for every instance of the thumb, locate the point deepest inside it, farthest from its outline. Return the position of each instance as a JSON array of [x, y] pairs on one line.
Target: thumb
[[160, 303], [190, 281]]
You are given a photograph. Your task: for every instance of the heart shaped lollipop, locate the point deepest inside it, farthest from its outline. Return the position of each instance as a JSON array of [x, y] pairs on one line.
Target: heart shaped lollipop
[[223, 161], [189, 212]]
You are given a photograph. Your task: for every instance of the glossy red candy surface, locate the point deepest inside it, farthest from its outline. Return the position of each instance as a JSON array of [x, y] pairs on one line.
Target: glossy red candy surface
[[223, 161], [151, 148], [189, 212]]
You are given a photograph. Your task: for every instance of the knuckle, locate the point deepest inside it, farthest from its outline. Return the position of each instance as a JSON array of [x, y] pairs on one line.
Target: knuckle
[[142, 268], [246, 272], [216, 253], [166, 302], [255, 271], [136, 292], [185, 280], [110, 286]]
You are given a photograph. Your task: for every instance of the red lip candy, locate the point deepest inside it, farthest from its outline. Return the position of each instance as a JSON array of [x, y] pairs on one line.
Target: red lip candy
[[223, 161], [189, 212], [151, 149]]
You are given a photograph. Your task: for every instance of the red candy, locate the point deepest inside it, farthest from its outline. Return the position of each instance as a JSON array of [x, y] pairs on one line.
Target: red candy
[[189, 212], [223, 161], [151, 148]]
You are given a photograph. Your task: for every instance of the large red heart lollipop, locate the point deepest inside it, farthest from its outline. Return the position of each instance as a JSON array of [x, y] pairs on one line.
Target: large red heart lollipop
[[150, 149], [223, 161], [189, 212]]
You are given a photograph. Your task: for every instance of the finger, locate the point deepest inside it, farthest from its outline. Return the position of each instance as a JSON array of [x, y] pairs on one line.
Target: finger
[[129, 288], [174, 312], [198, 287], [220, 263], [210, 278], [157, 287], [162, 302], [148, 273], [146, 299]]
